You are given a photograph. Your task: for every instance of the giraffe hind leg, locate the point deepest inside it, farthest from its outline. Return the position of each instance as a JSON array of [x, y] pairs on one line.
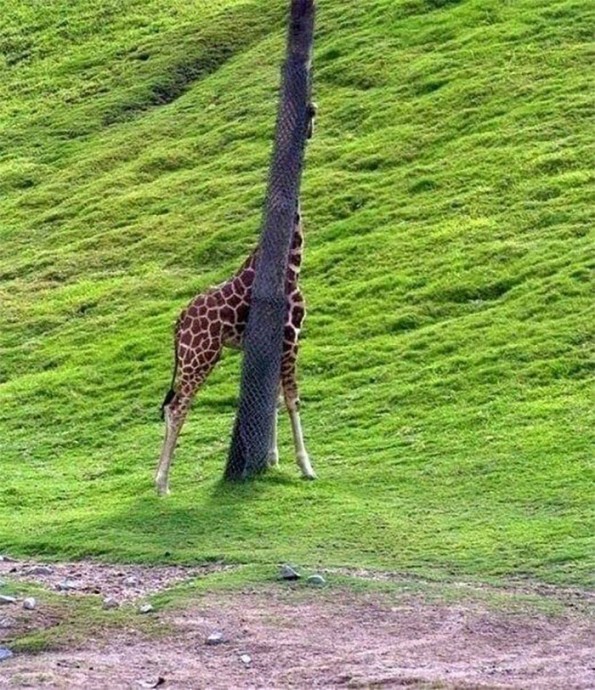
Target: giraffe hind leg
[[175, 412], [169, 396], [173, 426], [290, 391]]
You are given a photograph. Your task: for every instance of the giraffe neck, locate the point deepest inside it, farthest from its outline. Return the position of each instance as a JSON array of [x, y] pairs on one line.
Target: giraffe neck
[[297, 246], [295, 253]]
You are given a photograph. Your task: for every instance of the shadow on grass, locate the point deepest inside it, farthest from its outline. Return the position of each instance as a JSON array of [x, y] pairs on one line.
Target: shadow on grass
[[221, 522]]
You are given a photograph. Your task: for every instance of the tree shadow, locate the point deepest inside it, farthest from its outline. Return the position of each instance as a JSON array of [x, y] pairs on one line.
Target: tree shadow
[[226, 521]]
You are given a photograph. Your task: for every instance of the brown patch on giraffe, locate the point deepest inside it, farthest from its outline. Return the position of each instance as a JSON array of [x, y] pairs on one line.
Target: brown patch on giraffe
[[227, 314], [247, 278], [234, 300], [297, 315]]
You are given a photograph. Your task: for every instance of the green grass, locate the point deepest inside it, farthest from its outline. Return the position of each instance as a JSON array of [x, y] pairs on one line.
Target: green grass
[[447, 358]]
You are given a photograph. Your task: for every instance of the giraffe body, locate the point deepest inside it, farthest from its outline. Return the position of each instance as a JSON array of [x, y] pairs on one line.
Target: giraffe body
[[216, 319]]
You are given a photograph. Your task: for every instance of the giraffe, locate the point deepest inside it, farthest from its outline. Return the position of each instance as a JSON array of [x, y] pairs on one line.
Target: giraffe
[[216, 319]]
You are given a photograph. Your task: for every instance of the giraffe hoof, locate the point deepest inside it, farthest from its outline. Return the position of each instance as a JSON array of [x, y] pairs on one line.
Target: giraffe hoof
[[273, 459], [310, 476]]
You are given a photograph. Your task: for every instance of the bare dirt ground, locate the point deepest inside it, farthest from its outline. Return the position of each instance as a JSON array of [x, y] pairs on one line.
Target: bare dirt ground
[[125, 583], [283, 637]]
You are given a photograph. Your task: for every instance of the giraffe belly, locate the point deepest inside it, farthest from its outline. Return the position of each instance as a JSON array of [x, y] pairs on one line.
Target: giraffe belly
[[234, 337]]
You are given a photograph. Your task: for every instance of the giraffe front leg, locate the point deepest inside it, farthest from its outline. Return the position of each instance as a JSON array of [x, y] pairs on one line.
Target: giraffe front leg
[[273, 453], [290, 391], [301, 454]]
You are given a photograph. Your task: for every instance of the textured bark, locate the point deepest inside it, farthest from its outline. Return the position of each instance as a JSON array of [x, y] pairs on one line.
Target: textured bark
[[263, 339]]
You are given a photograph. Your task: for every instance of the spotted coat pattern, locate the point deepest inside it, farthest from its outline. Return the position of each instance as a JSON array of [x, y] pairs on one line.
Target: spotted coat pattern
[[217, 318]]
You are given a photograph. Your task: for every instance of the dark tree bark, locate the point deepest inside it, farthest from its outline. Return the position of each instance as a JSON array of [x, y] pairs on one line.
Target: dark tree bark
[[263, 339]]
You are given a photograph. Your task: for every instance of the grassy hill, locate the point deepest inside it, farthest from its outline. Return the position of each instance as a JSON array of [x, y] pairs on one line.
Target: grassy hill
[[448, 353]]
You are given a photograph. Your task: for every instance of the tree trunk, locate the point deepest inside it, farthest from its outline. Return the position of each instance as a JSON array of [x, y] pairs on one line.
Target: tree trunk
[[263, 339]]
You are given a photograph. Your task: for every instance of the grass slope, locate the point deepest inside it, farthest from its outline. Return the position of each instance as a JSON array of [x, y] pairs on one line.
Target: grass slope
[[448, 351]]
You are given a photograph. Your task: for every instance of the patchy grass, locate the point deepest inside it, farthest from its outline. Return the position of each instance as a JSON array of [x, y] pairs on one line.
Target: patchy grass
[[519, 598], [447, 358], [65, 622]]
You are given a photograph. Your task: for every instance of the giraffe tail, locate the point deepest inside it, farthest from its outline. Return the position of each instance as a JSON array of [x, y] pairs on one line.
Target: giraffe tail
[[171, 393]]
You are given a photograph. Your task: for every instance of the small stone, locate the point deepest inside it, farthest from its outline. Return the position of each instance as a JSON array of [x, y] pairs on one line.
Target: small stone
[[40, 570], [67, 585], [131, 581], [288, 573], [246, 659], [316, 580], [110, 603], [215, 638], [6, 559], [151, 683], [29, 603], [145, 608], [5, 653], [4, 600]]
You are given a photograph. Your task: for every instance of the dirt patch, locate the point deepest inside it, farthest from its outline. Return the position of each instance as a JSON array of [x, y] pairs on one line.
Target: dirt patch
[[122, 582], [298, 638], [17, 623]]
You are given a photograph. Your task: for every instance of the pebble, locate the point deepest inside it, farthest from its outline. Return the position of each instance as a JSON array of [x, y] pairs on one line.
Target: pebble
[[131, 581], [67, 585], [5, 653], [288, 573], [110, 603], [215, 638], [29, 603], [246, 659], [151, 683], [317, 580], [145, 608], [4, 599], [40, 570], [6, 559]]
